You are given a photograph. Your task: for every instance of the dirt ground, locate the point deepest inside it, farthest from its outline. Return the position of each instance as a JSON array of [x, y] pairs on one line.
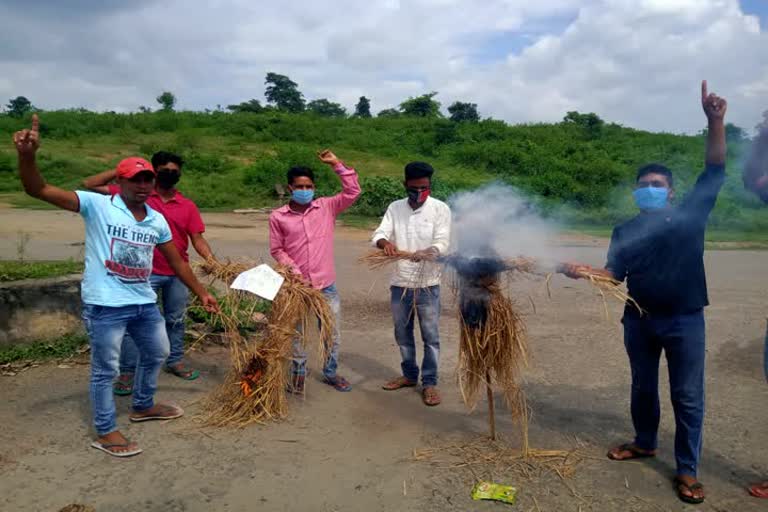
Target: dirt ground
[[354, 451]]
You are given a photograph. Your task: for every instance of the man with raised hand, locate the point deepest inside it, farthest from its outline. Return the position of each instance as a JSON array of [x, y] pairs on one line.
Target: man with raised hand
[[660, 253], [187, 226], [301, 238], [121, 232], [756, 180]]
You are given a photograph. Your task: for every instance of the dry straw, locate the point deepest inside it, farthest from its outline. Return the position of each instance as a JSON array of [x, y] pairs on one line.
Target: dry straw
[[377, 259], [497, 458], [255, 388]]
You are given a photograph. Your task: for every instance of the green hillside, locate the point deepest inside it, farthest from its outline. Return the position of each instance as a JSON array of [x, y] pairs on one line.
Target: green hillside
[[577, 171]]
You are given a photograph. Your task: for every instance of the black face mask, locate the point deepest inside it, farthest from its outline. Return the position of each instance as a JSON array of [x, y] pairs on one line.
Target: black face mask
[[167, 179]]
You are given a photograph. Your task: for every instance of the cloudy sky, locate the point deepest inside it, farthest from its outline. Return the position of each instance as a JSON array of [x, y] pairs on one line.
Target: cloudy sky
[[635, 62]]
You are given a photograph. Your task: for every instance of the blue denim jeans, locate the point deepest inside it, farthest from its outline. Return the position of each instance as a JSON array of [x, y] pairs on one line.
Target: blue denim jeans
[[299, 365], [682, 339], [407, 303], [174, 296], [106, 327]]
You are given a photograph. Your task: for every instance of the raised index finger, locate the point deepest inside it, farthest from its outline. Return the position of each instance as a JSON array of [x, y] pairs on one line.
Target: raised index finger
[[704, 90], [35, 123]]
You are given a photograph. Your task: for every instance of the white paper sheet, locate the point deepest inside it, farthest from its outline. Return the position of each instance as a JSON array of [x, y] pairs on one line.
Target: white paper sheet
[[261, 280]]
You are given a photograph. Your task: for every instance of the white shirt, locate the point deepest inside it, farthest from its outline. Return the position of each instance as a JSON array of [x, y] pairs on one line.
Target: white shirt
[[416, 230]]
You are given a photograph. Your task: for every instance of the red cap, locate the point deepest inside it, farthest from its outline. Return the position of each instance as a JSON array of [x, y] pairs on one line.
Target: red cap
[[130, 167]]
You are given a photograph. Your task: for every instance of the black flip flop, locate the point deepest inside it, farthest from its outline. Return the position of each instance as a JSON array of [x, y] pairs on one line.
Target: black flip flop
[[688, 499]]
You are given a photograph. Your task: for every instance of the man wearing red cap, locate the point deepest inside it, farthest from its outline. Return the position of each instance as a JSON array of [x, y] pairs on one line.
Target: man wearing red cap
[[186, 225], [121, 233]]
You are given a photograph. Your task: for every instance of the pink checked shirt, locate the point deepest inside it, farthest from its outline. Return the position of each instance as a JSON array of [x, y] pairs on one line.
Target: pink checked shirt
[[305, 241]]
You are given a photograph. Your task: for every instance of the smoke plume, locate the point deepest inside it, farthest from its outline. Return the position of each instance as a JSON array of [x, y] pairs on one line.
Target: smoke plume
[[497, 221]]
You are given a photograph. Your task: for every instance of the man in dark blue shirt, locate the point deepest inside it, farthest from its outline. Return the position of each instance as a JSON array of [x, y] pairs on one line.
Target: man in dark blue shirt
[[660, 253], [756, 180]]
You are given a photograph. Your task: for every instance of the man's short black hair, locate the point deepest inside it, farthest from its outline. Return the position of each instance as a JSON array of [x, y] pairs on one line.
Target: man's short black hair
[[297, 172], [165, 157], [416, 170], [655, 169]]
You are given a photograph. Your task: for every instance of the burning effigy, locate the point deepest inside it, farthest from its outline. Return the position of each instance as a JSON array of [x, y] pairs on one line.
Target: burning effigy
[[493, 347], [255, 388]]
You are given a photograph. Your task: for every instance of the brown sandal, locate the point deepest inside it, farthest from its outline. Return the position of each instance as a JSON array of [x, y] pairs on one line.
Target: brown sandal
[[634, 452], [398, 383], [164, 412], [430, 396]]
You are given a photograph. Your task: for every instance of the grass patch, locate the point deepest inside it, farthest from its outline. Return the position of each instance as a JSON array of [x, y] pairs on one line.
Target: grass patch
[[58, 348], [15, 270]]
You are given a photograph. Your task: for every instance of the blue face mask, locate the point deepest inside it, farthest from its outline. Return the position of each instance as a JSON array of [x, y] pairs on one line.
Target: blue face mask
[[651, 198], [303, 196]]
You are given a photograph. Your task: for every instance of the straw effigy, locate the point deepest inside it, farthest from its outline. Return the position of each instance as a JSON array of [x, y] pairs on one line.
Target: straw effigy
[[493, 354], [255, 388], [493, 345], [493, 348]]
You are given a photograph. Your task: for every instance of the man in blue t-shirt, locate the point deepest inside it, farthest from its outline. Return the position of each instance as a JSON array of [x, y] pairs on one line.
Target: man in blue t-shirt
[[660, 253], [121, 232]]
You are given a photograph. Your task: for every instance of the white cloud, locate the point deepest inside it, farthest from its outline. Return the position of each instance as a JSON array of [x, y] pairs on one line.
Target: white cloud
[[637, 62]]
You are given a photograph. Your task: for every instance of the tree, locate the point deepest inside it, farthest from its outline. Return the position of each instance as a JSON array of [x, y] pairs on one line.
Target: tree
[[388, 112], [18, 106], [283, 93], [421, 106], [246, 106], [461, 111], [363, 107], [586, 120], [144, 109], [326, 108], [591, 123], [735, 134], [167, 101]]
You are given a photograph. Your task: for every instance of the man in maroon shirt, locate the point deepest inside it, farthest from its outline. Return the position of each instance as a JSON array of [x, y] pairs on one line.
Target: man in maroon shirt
[[185, 222]]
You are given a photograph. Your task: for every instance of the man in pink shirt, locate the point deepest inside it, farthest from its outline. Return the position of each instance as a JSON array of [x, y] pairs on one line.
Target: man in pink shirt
[[186, 225], [301, 237]]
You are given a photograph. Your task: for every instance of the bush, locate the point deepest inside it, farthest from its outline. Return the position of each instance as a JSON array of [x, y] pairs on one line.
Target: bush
[[378, 192]]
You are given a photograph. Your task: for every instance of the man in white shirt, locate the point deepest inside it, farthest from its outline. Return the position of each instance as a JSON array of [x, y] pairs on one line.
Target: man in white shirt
[[419, 224]]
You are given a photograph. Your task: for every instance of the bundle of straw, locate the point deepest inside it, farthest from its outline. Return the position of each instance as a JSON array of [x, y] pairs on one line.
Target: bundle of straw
[[606, 286], [524, 265], [255, 388], [377, 259]]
